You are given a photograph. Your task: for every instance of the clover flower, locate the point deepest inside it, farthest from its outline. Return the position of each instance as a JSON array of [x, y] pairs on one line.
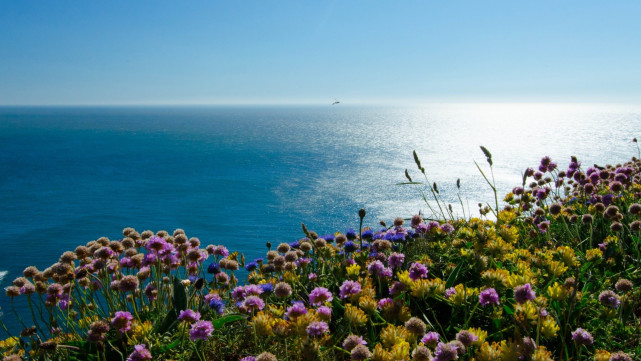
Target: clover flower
[[466, 337], [417, 271], [446, 351], [324, 312], [140, 354], [623, 285], [317, 328], [489, 296], [352, 341], [189, 316], [122, 321], [266, 356], [296, 309], [582, 337], [620, 356], [360, 352], [248, 358], [431, 338], [349, 288], [609, 299], [201, 330], [320, 295], [524, 293], [282, 289], [416, 326], [396, 259]]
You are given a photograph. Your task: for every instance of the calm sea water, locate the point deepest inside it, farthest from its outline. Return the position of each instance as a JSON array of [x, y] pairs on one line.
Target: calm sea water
[[241, 176]]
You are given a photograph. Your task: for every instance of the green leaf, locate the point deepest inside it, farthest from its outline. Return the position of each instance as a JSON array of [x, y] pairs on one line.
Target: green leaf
[[220, 322], [166, 348], [508, 309], [450, 280], [180, 296]]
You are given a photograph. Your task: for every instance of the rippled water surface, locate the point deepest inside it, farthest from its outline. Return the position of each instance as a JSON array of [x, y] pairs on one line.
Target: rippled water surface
[[241, 176]]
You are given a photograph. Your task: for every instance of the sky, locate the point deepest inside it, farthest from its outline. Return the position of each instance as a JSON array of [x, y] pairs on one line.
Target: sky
[[312, 52]]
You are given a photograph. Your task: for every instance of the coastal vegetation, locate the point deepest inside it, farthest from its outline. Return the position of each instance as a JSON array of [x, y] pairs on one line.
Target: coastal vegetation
[[551, 273]]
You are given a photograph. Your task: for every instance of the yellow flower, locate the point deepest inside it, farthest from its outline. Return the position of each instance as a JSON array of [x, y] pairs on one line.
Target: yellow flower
[[489, 352], [301, 322], [556, 268], [276, 311], [139, 331], [404, 278], [541, 354], [601, 355], [567, 256], [367, 303], [495, 277], [527, 312], [509, 234], [422, 288], [86, 321], [353, 271], [290, 277], [380, 354], [281, 327], [549, 328], [9, 342], [400, 351], [593, 254], [263, 324], [391, 335], [509, 351], [557, 292], [481, 334], [355, 316], [506, 217]]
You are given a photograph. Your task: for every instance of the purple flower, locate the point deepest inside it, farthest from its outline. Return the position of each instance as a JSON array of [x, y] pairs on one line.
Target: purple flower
[[488, 296], [253, 290], [248, 358], [609, 299], [430, 338], [320, 295], [218, 305], [324, 312], [524, 293], [221, 251], [450, 292], [466, 337], [385, 302], [201, 330], [140, 354], [396, 259], [317, 328], [418, 270], [297, 309], [189, 316], [446, 351], [254, 303], [582, 337], [122, 321], [312, 276], [397, 288], [447, 228], [349, 288], [375, 268]]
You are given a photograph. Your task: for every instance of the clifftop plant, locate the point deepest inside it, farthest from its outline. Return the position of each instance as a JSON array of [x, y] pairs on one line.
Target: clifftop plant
[[552, 277]]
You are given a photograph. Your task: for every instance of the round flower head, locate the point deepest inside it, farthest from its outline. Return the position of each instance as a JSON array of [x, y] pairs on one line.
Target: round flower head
[[623, 285], [122, 321], [266, 356], [349, 288], [396, 259], [320, 295], [447, 351], [128, 283], [317, 328], [254, 303], [350, 246], [189, 316], [248, 358], [526, 347], [360, 352], [466, 337], [582, 337], [352, 341], [609, 299], [140, 354], [201, 330], [489, 296], [415, 326], [297, 309], [218, 305], [324, 312], [430, 338], [417, 270], [421, 353], [620, 356], [282, 289], [524, 293]]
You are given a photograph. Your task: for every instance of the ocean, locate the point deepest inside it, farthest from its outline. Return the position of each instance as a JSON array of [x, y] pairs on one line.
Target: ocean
[[244, 175]]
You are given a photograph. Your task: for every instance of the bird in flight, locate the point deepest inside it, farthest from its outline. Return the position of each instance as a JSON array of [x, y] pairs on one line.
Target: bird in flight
[[335, 102]]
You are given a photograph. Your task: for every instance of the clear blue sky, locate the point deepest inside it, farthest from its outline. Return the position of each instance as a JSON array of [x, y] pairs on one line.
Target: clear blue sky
[[211, 52]]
